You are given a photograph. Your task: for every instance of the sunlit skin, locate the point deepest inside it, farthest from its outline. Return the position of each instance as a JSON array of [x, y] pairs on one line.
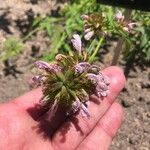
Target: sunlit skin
[[26, 127]]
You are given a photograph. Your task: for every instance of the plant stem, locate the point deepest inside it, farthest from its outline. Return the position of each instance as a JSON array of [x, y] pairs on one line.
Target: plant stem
[[117, 51], [96, 50], [30, 34]]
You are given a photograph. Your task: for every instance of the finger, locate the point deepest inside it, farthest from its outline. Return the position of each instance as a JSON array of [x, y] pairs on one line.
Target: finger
[[72, 132], [104, 131], [30, 102]]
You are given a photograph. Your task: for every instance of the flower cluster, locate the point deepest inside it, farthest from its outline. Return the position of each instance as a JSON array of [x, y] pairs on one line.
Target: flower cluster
[[100, 24], [127, 26], [70, 80], [94, 24]]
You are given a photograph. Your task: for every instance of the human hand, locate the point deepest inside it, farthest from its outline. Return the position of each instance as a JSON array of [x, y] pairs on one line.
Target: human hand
[[25, 126]]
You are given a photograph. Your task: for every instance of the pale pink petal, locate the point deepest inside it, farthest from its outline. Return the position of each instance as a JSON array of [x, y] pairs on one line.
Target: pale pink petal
[[87, 30], [132, 25], [102, 86], [76, 41], [84, 17], [89, 35], [104, 94], [119, 16]]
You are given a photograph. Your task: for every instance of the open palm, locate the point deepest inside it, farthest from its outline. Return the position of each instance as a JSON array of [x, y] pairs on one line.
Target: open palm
[[25, 126]]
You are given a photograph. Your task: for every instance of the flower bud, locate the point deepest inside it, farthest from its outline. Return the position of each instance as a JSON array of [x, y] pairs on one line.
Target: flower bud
[[132, 25], [37, 80], [92, 77], [76, 41], [89, 35], [78, 69], [84, 17], [119, 16]]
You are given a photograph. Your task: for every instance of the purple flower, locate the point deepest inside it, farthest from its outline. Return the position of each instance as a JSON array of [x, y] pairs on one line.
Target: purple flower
[[81, 67], [95, 68], [92, 77], [89, 35], [42, 65], [78, 69], [106, 80], [84, 64], [102, 85], [46, 66], [37, 80], [76, 41], [76, 105], [103, 78]]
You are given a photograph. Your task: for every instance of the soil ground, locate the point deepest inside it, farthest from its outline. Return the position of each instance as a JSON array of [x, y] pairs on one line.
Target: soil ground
[[15, 19]]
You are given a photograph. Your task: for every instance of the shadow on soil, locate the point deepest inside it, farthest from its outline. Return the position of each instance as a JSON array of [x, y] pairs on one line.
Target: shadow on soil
[[5, 23]]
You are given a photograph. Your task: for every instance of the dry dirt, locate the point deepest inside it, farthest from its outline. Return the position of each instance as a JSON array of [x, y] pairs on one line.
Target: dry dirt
[[15, 19]]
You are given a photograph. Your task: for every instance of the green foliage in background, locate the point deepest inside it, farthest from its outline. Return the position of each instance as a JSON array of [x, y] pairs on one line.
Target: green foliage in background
[[11, 48], [141, 39], [61, 27]]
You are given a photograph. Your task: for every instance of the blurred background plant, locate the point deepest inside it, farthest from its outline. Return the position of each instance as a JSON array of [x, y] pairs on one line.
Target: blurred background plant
[[141, 41], [59, 28], [11, 48], [61, 24]]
